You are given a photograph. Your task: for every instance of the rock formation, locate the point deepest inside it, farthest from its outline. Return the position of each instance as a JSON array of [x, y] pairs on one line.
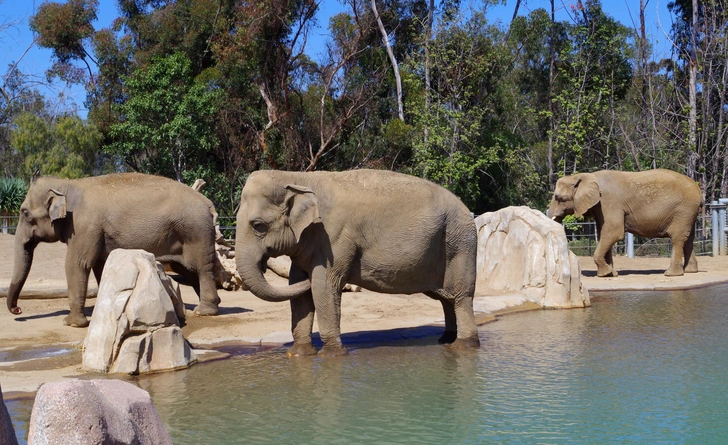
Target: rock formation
[[135, 324], [95, 412], [521, 251]]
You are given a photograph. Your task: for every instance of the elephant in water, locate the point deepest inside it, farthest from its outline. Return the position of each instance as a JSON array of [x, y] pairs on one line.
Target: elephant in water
[[384, 231], [96, 215], [654, 203]]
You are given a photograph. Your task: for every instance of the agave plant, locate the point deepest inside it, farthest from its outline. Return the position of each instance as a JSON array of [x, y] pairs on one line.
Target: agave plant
[[12, 193]]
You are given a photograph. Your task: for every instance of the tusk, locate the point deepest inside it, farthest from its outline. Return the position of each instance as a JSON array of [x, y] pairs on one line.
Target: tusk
[[553, 218]]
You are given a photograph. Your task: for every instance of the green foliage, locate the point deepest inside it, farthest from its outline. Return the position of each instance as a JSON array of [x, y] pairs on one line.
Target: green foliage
[[571, 222], [67, 147], [167, 123], [12, 194], [64, 28]]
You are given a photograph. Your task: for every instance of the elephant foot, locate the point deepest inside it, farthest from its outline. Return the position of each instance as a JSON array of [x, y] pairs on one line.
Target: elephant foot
[[448, 337], [206, 309], [466, 343], [674, 272], [75, 321], [607, 272], [333, 351], [690, 268], [301, 350]]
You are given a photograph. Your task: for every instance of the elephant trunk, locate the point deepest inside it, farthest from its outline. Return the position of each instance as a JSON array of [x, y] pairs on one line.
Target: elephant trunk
[[23, 260], [251, 267]]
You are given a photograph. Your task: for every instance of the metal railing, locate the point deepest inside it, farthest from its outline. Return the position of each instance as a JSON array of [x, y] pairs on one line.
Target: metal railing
[[8, 223]]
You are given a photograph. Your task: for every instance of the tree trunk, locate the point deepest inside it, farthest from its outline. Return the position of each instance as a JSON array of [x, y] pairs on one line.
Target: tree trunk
[[428, 79], [693, 95], [552, 57], [395, 66]]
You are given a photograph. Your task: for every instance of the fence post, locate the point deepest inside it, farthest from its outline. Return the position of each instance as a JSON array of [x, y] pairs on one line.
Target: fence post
[[722, 202], [630, 245], [714, 228]]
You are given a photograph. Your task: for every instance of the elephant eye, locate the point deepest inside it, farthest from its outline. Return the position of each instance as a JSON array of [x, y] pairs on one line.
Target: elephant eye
[[259, 227], [26, 213]]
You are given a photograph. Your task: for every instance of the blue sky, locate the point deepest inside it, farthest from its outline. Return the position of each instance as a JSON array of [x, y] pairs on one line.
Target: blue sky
[[15, 36]]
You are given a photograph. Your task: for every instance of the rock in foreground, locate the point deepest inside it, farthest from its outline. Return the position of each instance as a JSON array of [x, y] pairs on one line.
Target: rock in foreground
[[135, 324], [84, 412]]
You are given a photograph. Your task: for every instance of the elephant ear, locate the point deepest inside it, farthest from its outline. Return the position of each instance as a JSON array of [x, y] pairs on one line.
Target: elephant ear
[[302, 208], [586, 193], [56, 204]]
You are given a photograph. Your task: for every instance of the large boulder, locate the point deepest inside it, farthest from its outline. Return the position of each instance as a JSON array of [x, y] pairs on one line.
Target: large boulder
[[7, 432], [521, 251], [90, 412], [135, 324]]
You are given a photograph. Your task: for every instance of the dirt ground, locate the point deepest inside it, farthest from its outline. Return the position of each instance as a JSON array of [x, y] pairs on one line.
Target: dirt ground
[[246, 319]]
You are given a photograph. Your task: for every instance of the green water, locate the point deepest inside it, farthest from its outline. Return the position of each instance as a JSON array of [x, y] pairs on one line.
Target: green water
[[634, 368]]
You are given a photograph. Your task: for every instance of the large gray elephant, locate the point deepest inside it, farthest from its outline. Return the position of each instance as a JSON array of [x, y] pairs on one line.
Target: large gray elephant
[[654, 203], [96, 215], [385, 231]]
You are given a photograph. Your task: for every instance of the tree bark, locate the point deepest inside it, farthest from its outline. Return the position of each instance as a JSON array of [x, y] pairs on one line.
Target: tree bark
[[693, 94], [428, 79], [395, 66], [552, 57]]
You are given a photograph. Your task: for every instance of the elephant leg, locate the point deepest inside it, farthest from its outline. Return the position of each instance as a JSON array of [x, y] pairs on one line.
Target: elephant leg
[[458, 291], [691, 261], [203, 268], [302, 312], [77, 275], [603, 254], [98, 269], [448, 308], [679, 252], [327, 300], [207, 291]]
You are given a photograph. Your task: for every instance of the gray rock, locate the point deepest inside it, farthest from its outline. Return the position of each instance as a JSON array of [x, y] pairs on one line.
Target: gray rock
[[7, 432], [136, 299], [80, 412], [523, 252]]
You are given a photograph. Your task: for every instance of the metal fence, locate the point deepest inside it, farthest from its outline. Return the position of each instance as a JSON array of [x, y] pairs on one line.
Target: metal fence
[[583, 241], [7, 224], [227, 227]]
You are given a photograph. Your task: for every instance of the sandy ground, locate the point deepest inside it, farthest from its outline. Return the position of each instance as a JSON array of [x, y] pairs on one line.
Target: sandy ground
[[246, 319]]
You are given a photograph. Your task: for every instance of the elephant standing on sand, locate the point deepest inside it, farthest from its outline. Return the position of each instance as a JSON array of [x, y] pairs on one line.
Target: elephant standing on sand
[[96, 215], [653, 203], [384, 231]]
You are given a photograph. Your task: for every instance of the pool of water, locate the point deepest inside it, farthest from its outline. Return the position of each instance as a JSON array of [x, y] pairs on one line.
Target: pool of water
[[648, 367]]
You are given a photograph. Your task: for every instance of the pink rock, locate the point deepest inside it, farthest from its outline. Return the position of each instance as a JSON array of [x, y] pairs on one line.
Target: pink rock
[[95, 412]]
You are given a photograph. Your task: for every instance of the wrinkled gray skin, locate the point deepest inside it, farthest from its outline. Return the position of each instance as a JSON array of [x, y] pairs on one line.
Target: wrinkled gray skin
[[384, 231], [654, 204], [94, 216]]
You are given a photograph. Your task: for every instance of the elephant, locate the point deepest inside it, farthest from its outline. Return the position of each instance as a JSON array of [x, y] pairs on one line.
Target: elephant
[[387, 232], [96, 215], [654, 203]]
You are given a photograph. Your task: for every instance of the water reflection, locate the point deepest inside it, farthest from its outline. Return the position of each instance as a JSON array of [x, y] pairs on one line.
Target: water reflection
[[647, 367]]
